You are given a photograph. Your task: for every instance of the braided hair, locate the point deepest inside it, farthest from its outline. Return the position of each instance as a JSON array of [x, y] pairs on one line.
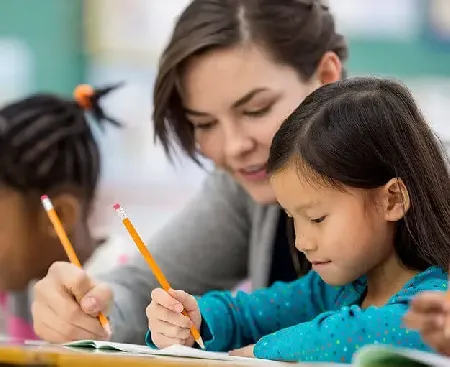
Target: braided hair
[[46, 142]]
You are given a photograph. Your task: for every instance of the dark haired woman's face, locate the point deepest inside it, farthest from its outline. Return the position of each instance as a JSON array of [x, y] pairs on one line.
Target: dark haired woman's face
[[236, 99]]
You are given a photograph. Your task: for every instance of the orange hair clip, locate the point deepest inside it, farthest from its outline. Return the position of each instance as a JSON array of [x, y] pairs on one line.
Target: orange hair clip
[[83, 96]]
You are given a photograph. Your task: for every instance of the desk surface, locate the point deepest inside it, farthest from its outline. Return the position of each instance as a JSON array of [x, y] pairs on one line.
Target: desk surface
[[22, 354], [58, 356]]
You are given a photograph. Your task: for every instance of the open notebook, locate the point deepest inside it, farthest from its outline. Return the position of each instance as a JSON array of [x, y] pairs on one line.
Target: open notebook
[[173, 351]]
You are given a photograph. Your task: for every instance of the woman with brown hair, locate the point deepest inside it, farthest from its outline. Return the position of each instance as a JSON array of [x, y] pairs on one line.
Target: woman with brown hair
[[232, 72]]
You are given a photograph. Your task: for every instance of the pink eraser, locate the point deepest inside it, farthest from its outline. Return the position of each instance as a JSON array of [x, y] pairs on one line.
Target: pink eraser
[[116, 206], [44, 197]]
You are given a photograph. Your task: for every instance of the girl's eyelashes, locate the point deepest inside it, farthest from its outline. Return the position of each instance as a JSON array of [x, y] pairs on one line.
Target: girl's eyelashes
[[318, 220]]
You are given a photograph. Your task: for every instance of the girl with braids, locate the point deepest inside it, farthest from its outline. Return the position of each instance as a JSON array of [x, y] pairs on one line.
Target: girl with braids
[[47, 147], [232, 71]]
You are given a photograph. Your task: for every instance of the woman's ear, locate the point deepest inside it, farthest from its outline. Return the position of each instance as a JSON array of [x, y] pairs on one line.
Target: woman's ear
[[68, 208], [329, 69], [396, 201]]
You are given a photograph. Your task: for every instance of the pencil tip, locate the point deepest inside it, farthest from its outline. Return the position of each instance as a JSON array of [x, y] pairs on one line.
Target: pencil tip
[[116, 206], [200, 343]]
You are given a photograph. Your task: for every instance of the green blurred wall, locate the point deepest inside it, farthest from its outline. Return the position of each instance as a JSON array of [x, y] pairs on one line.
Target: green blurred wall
[[400, 59], [52, 29], [426, 53]]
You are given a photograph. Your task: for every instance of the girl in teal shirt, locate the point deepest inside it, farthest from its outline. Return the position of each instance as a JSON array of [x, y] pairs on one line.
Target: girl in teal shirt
[[366, 183]]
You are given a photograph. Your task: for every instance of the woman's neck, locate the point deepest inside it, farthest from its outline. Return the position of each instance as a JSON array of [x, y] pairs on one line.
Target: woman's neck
[[386, 280]]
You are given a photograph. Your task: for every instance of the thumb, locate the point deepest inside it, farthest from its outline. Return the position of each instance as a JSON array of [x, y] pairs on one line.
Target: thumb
[[189, 302], [71, 278], [97, 300]]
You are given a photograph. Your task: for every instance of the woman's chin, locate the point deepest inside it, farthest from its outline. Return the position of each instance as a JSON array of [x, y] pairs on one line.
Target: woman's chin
[[260, 192]]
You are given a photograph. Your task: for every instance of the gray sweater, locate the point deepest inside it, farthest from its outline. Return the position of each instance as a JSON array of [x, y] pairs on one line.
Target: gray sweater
[[218, 239]]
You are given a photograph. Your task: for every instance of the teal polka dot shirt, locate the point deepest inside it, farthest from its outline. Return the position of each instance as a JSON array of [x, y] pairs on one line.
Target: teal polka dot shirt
[[308, 320]]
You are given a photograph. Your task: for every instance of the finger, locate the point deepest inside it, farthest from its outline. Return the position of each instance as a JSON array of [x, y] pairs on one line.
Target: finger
[[446, 326], [437, 341], [162, 341], [163, 298], [49, 335], [157, 312], [243, 352], [189, 302], [430, 302], [425, 321], [235, 352], [64, 307], [97, 300], [52, 324], [73, 279], [169, 330]]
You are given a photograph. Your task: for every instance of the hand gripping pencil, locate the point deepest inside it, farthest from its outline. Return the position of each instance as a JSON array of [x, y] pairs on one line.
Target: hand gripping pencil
[[152, 263], [68, 248]]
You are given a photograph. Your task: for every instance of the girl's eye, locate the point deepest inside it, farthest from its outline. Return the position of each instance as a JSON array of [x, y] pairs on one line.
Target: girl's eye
[[258, 113], [318, 220]]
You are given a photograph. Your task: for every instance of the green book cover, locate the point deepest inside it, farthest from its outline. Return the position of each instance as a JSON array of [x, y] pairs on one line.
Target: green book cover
[[388, 356]]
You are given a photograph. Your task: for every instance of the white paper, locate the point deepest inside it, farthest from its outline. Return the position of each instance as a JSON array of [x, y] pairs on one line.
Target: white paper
[[173, 351]]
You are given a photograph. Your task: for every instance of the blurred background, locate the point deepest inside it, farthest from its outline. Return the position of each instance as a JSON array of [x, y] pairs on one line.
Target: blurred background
[[53, 45]]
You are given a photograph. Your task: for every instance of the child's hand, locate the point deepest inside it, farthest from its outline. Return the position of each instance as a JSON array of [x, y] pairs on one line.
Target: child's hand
[[244, 352], [168, 326], [429, 314]]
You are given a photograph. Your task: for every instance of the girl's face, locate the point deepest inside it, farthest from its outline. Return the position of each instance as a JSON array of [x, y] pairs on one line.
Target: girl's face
[[20, 241], [344, 233], [236, 99], [28, 243]]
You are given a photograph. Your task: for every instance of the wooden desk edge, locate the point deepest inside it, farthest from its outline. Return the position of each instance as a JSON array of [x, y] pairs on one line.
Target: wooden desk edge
[[60, 358]]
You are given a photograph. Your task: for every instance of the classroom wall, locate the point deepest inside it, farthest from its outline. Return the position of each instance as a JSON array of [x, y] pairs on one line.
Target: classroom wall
[[41, 46]]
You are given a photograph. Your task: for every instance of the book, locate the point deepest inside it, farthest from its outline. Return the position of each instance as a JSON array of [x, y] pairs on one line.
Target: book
[[390, 356]]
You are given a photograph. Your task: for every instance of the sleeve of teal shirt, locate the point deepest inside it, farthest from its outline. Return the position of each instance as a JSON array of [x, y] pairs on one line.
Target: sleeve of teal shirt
[[334, 336], [230, 322]]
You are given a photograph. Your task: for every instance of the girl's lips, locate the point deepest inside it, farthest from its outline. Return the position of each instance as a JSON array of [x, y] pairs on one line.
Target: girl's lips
[[319, 264]]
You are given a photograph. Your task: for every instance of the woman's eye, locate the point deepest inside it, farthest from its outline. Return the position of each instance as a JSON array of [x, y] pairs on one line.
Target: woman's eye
[[318, 220], [204, 126], [258, 113]]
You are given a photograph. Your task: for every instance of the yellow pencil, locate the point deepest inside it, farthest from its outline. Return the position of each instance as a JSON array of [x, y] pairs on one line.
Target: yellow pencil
[[152, 264], [68, 248]]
